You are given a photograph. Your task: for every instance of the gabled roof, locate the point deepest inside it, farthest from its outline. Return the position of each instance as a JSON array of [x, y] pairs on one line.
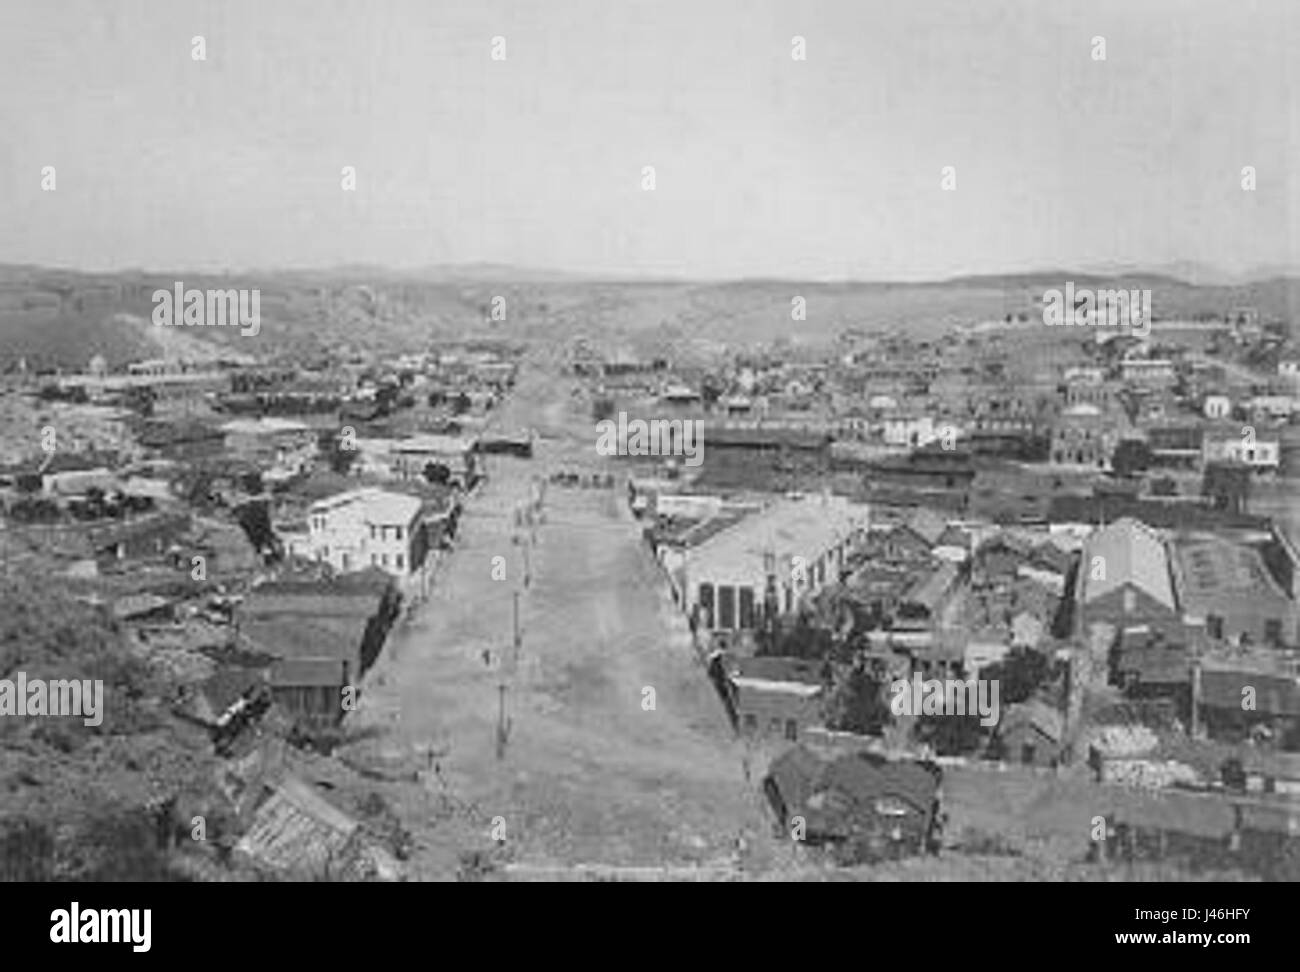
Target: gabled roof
[[867, 780], [228, 684], [778, 669], [1111, 508], [831, 794], [765, 437], [307, 672], [926, 524], [1210, 566], [336, 639], [787, 528], [1131, 553], [296, 830], [1168, 665], [1034, 712], [374, 505], [165, 524], [929, 589], [795, 773], [67, 462]]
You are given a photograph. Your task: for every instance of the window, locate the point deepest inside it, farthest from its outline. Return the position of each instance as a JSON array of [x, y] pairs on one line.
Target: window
[[1214, 625], [374, 560], [789, 599], [1027, 753], [706, 604], [1273, 631], [746, 608], [774, 726], [400, 562], [383, 560], [373, 531], [727, 608], [791, 730]]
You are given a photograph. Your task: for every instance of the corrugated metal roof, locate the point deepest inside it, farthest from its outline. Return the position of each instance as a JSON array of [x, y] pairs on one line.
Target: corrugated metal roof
[[1131, 553]]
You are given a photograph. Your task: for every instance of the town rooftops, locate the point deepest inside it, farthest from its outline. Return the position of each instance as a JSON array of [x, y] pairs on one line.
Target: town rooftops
[[371, 581], [766, 674], [830, 794], [266, 425], [1108, 508], [786, 528], [698, 532], [760, 437], [1036, 713], [1209, 566], [1157, 664], [303, 672], [168, 525], [334, 638], [1131, 553], [428, 443], [66, 462], [929, 589], [927, 524], [376, 505], [297, 830]]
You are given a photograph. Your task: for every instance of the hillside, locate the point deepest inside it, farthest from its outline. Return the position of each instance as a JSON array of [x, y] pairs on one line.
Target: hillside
[[58, 318]]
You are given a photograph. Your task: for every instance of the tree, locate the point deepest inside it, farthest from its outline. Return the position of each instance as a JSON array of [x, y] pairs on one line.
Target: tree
[[1227, 485], [1164, 486], [797, 638], [255, 519], [951, 735], [711, 389], [1132, 456], [1019, 674], [858, 704], [341, 459]]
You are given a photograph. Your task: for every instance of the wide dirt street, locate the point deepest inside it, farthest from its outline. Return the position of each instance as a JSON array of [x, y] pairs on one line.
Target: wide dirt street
[[588, 774]]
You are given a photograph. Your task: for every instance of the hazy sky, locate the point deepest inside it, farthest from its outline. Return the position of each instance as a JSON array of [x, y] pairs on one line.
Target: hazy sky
[[828, 167]]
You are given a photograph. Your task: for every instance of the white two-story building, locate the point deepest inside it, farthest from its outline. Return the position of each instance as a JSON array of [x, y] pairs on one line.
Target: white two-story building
[[367, 528]]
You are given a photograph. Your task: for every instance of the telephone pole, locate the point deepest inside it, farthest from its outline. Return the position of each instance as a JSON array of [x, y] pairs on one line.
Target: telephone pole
[[503, 727], [518, 635], [517, 641]]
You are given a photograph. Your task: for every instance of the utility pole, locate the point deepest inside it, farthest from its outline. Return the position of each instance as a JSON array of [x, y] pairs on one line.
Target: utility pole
[[503, 723], [502, 726], [518, 639]]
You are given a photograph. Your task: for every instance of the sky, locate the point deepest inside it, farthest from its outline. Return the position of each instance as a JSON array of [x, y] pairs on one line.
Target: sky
[[829, 167]]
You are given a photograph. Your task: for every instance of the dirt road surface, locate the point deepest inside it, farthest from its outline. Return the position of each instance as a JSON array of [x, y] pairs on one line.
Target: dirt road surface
[[589, 772]]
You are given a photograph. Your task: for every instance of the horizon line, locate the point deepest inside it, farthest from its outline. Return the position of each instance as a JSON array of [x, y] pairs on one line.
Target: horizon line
[[1219, 278]]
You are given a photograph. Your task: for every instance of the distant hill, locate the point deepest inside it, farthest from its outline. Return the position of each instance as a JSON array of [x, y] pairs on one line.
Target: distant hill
[[55, 317]]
